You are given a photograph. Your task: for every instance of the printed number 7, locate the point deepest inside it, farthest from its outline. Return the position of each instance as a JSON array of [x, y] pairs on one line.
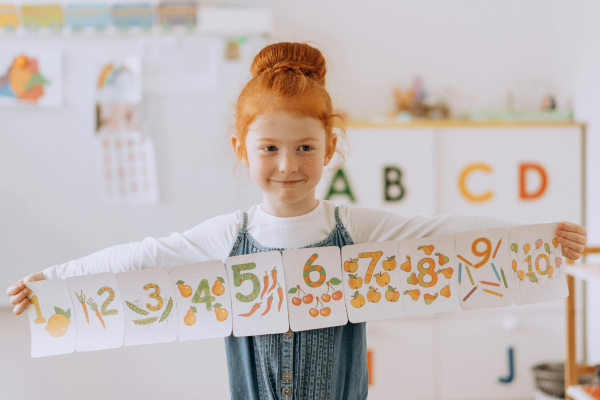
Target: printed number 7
[[238, 279], [375, 255]]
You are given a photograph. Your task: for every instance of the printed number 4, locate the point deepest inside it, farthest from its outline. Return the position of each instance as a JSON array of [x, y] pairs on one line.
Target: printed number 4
[[207, 298]]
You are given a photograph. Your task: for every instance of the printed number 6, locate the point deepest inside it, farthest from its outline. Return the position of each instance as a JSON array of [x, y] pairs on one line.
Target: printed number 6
[[238, 279]]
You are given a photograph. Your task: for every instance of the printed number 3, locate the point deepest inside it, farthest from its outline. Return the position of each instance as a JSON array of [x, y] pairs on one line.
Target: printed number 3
[[154, 295], [238, 279]]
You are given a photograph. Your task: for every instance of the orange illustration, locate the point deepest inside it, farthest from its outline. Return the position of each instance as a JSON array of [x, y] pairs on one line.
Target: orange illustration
[[351, 266], [427, 249], [355, 282], [373, 295], [442, 259], [406, 265], [218, 288], [382, 279], [358, 300], [389, 264], [185, 290], [190, 317], [414, 294], [221, 313], [391, 294], [429, 298], [412, 279], [446, 271], [445, 291], [59, 322]]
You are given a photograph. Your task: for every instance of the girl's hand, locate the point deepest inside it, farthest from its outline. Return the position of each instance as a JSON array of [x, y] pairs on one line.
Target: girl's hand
[[573, 238], [19, 292]]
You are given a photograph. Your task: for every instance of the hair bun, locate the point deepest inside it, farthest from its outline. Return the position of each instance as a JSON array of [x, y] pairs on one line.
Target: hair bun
[[290, 57]]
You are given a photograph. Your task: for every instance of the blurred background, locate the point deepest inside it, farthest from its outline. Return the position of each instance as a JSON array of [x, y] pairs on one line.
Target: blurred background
[[471, 106]]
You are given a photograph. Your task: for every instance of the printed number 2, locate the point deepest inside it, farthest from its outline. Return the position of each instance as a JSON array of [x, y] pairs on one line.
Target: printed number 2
[[238, 279], [111, 297]]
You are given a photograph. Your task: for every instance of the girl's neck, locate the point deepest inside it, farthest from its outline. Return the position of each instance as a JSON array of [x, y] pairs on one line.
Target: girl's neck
[[288, 210]]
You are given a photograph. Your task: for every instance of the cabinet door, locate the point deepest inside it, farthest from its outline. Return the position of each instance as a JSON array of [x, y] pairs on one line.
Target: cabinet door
[[402, 363], [474, 352]]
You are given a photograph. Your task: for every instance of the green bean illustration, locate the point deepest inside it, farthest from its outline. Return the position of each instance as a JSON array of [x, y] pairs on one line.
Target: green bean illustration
[[146, 321], [136, 309], [167, 311]]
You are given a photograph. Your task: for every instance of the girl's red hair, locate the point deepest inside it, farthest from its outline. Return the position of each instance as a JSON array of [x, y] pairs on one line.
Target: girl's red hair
[[287, 77]]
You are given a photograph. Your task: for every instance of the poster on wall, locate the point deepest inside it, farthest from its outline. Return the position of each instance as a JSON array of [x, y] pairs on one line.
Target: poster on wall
[[31, 78]]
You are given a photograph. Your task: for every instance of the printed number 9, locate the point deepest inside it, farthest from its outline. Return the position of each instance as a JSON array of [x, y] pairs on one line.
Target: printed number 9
[[485, 254]]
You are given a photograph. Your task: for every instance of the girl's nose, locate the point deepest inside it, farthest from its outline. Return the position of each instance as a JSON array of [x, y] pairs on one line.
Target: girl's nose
[[288, 164]]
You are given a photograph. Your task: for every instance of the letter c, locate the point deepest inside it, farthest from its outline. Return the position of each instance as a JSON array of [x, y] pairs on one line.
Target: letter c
[[462, 183]]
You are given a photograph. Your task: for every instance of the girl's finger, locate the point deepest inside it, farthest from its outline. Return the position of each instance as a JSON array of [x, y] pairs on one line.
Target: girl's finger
[[578, 247], [19, 308], [15, 288], [576, 237], [16, 299], [569, 253], [571, 227]]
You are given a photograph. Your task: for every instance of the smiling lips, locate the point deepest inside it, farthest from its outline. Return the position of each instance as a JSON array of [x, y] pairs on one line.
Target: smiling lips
[[287, 182]]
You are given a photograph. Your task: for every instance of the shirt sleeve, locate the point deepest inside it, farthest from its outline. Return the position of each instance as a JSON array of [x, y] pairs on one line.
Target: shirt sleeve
[[368, 225], [209, 240]]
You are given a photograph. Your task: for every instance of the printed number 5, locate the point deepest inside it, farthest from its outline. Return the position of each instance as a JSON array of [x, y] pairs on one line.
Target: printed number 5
[[238, 279]]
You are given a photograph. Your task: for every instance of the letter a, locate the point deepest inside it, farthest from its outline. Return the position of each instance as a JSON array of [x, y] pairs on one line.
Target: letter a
[[345, 190]]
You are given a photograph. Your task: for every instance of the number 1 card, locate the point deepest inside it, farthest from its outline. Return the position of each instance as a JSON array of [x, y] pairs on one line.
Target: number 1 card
[[51, 318], [257, 287], [99, 311]]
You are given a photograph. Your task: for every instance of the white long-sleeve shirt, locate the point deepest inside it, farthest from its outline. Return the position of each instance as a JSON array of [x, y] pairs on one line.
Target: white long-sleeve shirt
[[214, 238]]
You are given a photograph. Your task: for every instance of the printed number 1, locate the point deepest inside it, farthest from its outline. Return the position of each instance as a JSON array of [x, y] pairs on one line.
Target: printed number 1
[[375, 255], [35, 302]]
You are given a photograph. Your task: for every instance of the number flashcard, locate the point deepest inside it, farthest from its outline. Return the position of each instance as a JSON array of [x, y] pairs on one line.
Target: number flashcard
[[257, 287], [203, 300], [150, 311], [315, 295], [51, 318], [372, 281], [98, 307], [484, 275], [537, 264], [428, 275]]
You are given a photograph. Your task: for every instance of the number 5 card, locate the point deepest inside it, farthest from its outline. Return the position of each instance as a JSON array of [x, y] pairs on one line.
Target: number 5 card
[[257, 287], [150, 311], [483, 269], [51, 318], [372, 281], [202, 293], [315, 296], [99, 310]]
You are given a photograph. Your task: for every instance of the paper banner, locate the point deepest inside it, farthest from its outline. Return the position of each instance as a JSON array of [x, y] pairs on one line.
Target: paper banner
[[203, 300], [98, 307], [315, 297], [537, 264], [51, 318], [150, 311], [257, 287]]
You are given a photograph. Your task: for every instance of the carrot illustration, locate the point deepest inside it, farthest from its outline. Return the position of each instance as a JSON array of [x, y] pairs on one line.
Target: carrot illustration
[[254, 308], [266, 280], [280, 294], [269, 301], [82, 301], [94, 307], [274, 276]]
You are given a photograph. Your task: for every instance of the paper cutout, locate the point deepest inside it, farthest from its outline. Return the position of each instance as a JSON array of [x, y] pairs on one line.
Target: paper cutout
[[51, 318], [9, 19], [208, 313], [127, 16], [483, 255], [42, 16], [98, 307], [173, 14], [149, 311], [84, 16], [429, 275], [538, 274], [251, 275], [372, 282], [315, 297]]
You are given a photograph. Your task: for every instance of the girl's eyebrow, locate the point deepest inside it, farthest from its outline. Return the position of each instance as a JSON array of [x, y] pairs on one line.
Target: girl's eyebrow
[[306, 139]]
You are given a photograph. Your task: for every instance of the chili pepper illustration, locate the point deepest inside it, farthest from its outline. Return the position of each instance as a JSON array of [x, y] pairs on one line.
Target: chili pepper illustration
[[254, 308], [274, 276], [280, 294], [269, 301], [266, 280]]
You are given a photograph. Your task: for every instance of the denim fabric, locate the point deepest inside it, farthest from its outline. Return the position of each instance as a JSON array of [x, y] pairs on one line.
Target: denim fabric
[[319, 364]]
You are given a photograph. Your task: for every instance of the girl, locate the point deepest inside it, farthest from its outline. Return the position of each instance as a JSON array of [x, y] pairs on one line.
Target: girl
[[284, 135]]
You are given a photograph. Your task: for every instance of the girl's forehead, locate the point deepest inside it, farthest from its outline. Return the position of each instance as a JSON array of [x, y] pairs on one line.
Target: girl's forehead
[[283, 124]]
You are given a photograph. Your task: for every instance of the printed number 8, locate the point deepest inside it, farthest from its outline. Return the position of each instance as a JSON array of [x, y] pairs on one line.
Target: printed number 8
[[427, 271]]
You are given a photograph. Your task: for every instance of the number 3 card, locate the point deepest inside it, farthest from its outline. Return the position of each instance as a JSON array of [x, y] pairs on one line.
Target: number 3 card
[[202, 293], [150, 311], [483, 269], [428, 275], [98, 307], [51, 318], [537, 264], [315, 297], [372, 281], [257, 294]]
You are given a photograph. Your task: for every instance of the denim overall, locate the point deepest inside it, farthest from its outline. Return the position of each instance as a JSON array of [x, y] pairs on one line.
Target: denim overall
[[319, 364]]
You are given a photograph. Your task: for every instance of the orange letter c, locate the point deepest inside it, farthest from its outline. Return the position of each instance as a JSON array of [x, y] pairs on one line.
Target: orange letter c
[[462, 183]]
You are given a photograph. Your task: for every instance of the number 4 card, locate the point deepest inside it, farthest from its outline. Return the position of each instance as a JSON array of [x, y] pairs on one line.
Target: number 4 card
[[315, 296], [258, 294], [372, 281], [428, 275], [51, 318], [483, 269], [99, 310], [202, 293], [149, 306]]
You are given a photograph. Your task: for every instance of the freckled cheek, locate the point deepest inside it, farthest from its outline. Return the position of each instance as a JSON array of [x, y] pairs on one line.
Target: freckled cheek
[[312, 168]]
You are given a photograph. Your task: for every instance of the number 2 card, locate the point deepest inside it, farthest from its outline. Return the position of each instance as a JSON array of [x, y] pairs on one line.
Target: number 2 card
[[483, 269], [99, 311], [202, 293], [315, 297], [51, 318], [257, 288], [150, 311]]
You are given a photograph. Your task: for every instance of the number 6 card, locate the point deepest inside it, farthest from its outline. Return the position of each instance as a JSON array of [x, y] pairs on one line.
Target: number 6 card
[[257, 288]]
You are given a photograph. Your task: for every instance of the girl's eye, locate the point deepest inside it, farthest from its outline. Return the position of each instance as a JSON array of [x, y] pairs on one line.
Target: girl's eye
[[271, 148], [305, 148]]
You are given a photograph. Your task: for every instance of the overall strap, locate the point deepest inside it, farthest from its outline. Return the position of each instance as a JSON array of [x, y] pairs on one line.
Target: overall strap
[[245, 221], [338, 221]]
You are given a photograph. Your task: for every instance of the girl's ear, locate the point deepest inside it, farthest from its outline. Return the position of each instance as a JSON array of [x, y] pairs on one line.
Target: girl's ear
[[239, 151], [330, 149]]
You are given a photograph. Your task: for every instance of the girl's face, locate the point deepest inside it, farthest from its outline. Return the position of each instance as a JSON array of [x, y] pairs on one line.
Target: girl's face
[[286, 154]]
